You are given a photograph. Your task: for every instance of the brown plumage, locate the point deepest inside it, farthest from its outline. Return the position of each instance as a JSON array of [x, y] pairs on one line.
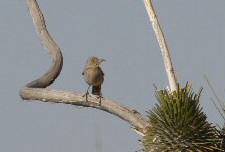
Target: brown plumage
[[94, 75]]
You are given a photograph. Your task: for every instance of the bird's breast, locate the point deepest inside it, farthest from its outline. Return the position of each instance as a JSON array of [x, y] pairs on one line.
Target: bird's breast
[[94, 76]]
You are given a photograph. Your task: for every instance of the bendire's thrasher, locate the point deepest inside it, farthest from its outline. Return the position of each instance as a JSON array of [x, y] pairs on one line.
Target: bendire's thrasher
[[94, 76]]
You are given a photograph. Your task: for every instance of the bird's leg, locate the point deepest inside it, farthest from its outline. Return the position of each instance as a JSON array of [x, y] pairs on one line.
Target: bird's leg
[[100, 100], [87, 93]]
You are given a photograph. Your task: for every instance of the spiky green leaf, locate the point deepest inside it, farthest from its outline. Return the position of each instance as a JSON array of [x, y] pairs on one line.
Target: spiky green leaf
[[177, 123]]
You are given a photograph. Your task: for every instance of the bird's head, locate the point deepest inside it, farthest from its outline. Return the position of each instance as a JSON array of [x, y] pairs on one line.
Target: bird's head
[[94, 61]]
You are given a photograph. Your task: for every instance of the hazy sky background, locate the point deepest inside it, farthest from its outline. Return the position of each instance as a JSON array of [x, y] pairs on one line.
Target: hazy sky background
[[120, 32]]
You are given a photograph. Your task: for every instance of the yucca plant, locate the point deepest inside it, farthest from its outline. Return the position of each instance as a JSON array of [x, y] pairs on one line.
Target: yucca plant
[[177, 124]]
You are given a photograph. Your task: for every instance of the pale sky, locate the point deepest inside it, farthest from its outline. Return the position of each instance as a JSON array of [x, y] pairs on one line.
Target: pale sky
[[120, 32]]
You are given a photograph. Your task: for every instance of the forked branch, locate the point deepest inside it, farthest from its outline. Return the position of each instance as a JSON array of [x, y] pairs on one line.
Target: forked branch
[[35, 90]]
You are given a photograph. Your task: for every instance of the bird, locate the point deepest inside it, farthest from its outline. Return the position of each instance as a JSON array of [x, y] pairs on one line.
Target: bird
[[94, 76]]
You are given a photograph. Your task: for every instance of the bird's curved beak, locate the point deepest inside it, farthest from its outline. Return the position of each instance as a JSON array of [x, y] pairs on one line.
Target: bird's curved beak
[[101, 60]]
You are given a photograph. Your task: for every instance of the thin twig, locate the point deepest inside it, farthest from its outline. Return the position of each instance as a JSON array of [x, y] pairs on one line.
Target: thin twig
[[214, 92], [218, 109]]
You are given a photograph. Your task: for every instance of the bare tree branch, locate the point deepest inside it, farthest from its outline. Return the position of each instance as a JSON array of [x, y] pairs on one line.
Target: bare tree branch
[[163, 46], [35, 89], [57, 96], [48, 42]]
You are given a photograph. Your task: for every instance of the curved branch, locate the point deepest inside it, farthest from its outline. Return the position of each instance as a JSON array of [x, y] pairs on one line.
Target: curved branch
[[138, 122], [163, 46], [34, 90], [47, 41]]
